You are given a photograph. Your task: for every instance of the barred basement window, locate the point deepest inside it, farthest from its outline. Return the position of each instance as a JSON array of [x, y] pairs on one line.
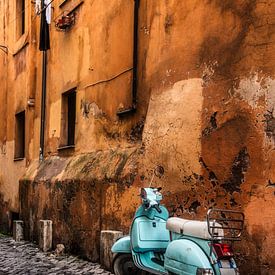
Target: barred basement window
[[20, 16], [19, 150], [68, 117]]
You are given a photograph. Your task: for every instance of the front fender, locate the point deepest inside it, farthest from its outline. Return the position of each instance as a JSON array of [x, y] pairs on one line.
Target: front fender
[[122, 245]]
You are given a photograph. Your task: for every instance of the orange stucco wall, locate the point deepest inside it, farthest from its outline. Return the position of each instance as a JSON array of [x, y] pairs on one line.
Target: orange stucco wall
[[205, 113]]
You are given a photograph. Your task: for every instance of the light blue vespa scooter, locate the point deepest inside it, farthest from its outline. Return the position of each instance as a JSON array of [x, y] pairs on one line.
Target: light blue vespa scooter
[[161, 245]]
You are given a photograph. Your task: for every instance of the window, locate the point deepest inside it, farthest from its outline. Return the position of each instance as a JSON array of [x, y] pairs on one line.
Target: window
[[20, 16], [68, 118], [19, 150]]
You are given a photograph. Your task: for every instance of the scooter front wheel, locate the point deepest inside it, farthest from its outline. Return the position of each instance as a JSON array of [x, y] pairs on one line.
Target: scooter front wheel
[[124, 265]]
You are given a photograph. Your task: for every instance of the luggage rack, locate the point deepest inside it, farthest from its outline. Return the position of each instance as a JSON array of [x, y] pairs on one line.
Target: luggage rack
[[225, 224]]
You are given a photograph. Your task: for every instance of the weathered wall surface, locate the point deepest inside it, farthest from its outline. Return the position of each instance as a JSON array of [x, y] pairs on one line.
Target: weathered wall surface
[[73, 193], [97, 49], [228, 161], [14, 93], [205, 101], [3, 60]]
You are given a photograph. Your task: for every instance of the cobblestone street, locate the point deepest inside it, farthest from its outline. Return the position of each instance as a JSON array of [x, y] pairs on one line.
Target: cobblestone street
[[25, 258]]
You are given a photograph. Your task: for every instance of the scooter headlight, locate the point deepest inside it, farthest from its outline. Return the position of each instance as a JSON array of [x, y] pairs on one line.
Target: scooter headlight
[[204, 271]]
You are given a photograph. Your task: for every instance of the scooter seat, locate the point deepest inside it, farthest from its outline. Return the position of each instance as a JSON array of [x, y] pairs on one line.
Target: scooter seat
[[192, 228]]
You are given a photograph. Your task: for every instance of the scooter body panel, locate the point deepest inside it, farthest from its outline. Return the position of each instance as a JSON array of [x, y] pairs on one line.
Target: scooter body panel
[[122, 245], [149, 239], [220, 267], [148, 235], [185, 256], [144, 262], [148, 230]]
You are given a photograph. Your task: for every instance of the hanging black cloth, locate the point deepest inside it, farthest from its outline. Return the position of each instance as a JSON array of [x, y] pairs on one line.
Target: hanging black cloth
[[44, 44]]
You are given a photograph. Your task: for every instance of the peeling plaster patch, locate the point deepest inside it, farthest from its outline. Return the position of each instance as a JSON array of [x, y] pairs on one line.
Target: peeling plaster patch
[[213, 178], [111, 133], [238, 170], [146, 30], [253, 88], [270, 98], [96, 112], [194, 205], [90, 107], [174, 120], [213, 125], [270, 124], [211, 175], [208, 72], [136, 131], [233, 202], [250, 90]]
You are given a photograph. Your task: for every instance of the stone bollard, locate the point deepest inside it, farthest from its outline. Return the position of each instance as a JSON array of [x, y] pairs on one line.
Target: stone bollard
[[107, 239], [45, 235], [17, 231]]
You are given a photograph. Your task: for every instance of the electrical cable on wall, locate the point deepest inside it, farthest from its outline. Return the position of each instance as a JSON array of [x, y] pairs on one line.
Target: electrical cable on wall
[[108, 79]]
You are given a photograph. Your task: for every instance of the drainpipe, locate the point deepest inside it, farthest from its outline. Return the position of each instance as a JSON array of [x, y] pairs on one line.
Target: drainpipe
[[133, 108], [44, 45], [43, 105]]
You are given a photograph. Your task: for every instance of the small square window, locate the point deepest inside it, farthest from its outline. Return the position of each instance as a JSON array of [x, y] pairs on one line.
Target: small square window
[[68, 117], [19, 150]]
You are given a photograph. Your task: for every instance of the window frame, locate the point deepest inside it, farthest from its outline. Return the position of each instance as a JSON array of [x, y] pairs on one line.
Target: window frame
[[21, 22], [68, 119], [20, 136]]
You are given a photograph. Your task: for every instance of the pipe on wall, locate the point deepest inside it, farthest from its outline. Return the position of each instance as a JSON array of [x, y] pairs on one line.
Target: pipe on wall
[[43, 105]]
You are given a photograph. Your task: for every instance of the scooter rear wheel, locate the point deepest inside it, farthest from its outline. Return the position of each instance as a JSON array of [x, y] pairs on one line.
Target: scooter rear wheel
[[124, 265]]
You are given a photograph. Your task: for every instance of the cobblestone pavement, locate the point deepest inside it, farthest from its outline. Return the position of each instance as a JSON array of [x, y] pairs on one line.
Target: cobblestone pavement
[[25, 258]]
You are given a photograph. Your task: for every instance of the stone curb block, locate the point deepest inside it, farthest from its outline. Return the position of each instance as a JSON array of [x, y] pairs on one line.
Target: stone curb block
[[107, 239]]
